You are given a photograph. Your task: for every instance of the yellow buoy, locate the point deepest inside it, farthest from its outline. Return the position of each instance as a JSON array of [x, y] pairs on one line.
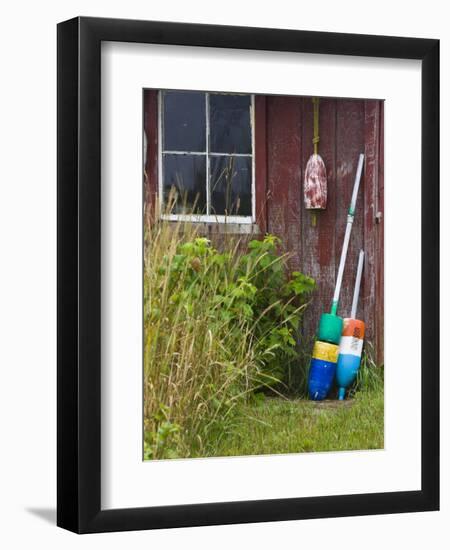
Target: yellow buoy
[[325, 351]]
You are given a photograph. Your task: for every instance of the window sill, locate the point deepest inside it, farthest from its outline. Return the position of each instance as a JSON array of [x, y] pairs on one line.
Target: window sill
[[232, 228]]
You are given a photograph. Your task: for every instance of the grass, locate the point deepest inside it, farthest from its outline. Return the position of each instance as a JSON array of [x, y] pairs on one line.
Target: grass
[[277, 426], [274, 425]]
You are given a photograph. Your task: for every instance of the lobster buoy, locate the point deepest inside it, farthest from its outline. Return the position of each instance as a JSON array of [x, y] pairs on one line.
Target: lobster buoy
[[315, 180], [315, 184], [350, 350], [330, 328], [322, 369], [351, 345]]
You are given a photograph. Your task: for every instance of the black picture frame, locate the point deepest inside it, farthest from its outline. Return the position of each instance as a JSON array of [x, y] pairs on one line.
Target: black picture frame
[[79, 281]]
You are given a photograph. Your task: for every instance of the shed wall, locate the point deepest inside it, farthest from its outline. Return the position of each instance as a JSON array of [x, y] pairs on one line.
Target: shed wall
[[283, 144], [347, 128]]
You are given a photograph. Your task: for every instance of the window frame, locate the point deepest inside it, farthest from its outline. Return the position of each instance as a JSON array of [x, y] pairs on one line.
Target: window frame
[[206, 218]]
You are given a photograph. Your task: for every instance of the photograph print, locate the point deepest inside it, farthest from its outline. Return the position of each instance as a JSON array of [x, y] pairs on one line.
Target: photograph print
[[263, 274]]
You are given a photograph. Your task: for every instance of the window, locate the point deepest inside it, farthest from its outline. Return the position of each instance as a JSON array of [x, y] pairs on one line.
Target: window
[[206, 160]]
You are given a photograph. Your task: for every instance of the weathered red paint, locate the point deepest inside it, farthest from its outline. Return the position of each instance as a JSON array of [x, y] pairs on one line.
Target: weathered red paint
[[283, 145], [151, 153], [348, 128], [369, 294], [319, 244], [379, 284], [284, 207], [261, 162]]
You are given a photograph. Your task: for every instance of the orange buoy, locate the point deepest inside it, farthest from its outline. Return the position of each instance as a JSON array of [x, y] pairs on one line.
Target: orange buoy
[[354, 328]]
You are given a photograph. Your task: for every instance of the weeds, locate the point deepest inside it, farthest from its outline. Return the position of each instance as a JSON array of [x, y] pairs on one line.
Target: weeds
[[370, 377], [217, 326]]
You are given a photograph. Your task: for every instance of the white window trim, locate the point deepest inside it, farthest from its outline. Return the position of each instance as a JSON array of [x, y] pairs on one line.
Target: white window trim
[[206, 218]]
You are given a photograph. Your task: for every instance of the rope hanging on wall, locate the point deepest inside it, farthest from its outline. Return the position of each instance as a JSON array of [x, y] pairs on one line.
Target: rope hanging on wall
[[316, 137]]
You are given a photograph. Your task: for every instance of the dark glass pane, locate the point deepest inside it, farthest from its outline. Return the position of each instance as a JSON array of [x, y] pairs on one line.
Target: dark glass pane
[[185, 183], [184, 121], [231, 185], [230, 130]]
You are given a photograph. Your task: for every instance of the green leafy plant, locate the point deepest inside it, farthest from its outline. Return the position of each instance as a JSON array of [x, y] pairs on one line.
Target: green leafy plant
[[277, 303], [218, 326]]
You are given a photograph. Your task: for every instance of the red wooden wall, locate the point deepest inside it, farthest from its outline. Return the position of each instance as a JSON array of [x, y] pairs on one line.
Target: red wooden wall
[[283, 144], [347, 128]]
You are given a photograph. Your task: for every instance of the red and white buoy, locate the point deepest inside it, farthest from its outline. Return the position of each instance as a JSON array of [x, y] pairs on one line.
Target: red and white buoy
[[315, 181], [352, 341]]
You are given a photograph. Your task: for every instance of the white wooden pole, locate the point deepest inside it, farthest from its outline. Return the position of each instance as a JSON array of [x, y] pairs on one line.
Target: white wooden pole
[[348, 230], [357, 284]]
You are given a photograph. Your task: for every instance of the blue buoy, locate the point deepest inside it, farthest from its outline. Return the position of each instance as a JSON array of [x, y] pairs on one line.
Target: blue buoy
[[321, 375], [346, 371]]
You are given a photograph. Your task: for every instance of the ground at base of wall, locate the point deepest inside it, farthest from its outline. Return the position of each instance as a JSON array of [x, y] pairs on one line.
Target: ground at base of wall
[[278, 426]]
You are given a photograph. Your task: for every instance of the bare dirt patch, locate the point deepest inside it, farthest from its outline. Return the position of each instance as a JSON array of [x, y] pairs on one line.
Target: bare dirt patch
[[330, 404]]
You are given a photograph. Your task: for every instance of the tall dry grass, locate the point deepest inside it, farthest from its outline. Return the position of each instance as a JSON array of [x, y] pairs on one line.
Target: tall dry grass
[[198, 361]]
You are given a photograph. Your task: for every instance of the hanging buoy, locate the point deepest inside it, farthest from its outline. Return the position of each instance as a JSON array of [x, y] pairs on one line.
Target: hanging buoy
[[315, 180], [350, 348], [330, 325]]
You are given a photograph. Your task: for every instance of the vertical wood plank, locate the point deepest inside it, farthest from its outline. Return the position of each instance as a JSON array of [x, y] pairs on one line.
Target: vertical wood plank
[[318, 242], [349, 144], [150, 103], [284, 173], [261, 163], [372, 146], [379, 314]]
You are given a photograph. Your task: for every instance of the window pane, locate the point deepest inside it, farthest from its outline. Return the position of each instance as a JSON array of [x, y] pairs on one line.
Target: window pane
[[186, 176], [184, 121], [231, 185], [230, 130]]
